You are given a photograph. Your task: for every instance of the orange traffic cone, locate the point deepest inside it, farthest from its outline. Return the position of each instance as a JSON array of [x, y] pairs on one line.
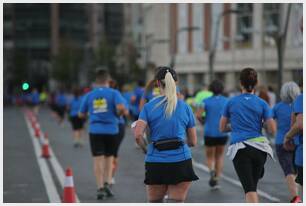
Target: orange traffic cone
[[37, 132], [69, 191], [45, 148]]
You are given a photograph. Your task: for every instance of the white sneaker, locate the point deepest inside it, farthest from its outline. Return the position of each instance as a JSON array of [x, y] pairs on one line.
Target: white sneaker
[[113, 181]]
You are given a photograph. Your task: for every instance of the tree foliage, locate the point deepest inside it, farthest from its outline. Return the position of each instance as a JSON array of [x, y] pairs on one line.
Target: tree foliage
[[66, 64]]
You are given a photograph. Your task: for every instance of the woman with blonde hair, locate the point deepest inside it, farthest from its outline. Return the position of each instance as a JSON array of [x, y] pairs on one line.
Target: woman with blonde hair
[[171, 122]]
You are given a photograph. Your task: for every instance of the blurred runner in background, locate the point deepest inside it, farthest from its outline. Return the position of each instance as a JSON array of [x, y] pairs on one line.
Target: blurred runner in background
[[214, 140], [77, 123], [282, 114]]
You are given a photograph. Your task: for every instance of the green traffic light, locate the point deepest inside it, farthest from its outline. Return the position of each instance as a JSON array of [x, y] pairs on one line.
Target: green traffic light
[[25, 86]]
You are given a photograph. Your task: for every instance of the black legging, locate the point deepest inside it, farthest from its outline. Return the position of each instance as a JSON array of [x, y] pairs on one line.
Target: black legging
[[249, 165]]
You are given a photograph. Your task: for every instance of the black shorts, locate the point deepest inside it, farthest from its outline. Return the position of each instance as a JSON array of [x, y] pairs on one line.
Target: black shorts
[[215, 141], [285, 159], [249, 165], [76, 122], [169, 173], [299, 177], [60, 110], [103, 144], [120, 137]]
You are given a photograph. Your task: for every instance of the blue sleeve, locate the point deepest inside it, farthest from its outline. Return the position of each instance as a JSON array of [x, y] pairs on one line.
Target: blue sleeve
[[143, 114], [84, 104], [203, 104], [225, 112], [267, 112], [274, 116], [191, 122], [118, 98], [298, 105]]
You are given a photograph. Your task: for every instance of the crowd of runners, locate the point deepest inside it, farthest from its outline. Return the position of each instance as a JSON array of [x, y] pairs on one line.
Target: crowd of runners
[[163, 120]]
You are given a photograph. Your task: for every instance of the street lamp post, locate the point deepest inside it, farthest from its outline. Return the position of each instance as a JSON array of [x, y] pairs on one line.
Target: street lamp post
[[172, 63], [212, 51]]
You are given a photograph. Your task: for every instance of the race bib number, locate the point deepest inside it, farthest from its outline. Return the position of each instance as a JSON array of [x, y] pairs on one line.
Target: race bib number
[[99, 105]]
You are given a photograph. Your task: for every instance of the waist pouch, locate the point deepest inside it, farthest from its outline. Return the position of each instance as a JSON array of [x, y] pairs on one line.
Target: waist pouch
[[168, 144]]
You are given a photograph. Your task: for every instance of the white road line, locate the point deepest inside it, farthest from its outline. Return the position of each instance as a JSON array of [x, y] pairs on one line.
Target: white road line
[[235, 182], [45, 172]]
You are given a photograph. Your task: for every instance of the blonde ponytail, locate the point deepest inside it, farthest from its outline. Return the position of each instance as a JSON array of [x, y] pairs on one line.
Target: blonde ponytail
[[170, 94]]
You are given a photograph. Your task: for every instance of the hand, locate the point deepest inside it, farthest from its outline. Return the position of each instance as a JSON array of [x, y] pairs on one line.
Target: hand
[[288, 144]]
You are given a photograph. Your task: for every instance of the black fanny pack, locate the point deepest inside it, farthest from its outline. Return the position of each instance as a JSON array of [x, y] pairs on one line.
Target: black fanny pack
[[168, 144]]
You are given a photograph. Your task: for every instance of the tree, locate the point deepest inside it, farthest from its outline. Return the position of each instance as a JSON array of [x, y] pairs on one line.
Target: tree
[[66, 64]]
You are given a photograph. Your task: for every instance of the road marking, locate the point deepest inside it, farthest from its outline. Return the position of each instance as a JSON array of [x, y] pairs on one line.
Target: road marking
[[235, 182], [57, 168], [44, 170]]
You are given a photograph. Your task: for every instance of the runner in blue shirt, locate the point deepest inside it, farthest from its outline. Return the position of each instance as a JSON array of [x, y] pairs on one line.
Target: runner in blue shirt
[[135, 99], [297, 129], [215, 140], [61, 105], [35, 100], [246, 114], [282, 114], [104, 106], [77, 123], [172, 131]]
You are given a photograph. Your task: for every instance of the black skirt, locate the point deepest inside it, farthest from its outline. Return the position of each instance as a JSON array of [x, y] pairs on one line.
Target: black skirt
[[158, 173]]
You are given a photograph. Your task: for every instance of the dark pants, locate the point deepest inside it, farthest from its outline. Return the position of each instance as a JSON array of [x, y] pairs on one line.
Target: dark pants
[[249, 165]]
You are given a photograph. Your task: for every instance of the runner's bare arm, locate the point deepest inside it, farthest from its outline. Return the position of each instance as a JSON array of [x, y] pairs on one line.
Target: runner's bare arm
[[295, 129], [199, 113], [191, 137], [139, 132], [121, 110], [271, 126], [224, 125]]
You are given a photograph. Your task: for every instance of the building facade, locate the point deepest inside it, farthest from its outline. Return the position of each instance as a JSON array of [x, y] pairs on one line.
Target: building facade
[[244, 40], [36, 31]]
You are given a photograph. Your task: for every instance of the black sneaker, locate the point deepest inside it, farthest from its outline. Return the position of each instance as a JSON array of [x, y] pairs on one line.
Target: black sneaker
[[107, 190], [213, 182], [100, 194]]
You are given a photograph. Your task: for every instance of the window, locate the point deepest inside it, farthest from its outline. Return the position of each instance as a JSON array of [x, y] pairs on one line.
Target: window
[[271, 21], [245, 25]]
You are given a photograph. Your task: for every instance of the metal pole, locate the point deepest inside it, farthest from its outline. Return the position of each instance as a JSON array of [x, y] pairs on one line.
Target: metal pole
[[212, 52], [213, 49], [280, 41]]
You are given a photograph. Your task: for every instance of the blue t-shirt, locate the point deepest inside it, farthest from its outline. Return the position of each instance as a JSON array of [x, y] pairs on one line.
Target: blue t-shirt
[[101, 104], [246, 114], [75, 105], [162, 127], [138, 93], [213, 109], [282, 114], [121, 118], [298, 109], [35, 98], [61, 99]]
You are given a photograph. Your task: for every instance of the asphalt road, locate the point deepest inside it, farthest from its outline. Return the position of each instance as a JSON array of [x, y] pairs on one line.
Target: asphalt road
[[23, 179]]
